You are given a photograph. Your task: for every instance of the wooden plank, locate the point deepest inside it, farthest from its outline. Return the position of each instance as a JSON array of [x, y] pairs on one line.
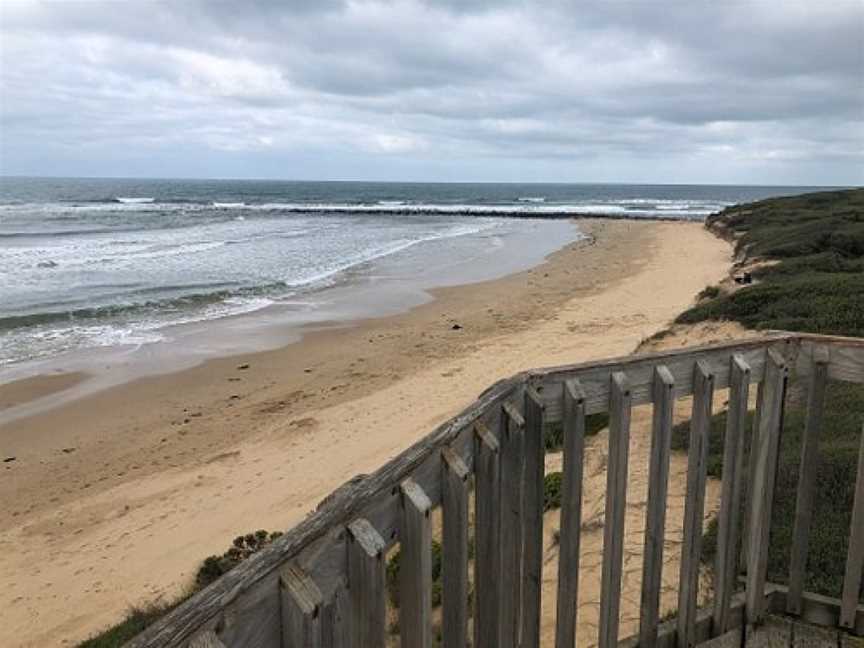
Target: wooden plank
[[206, 639], [855, 553], [667, 631], [571, 514], [532, 516], [815, 609], [762, 489], [807, 472], [616, 504], [729, 518], [487, 559], [415, 568], [694, 503], [301, 609], [655, 516], [847, 357], [454, 567], [511, 436], [366, 584], [594, 376], [336, 619], [751, 468]]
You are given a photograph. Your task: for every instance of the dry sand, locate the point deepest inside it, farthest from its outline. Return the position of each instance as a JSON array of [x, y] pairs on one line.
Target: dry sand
[[113, 500]]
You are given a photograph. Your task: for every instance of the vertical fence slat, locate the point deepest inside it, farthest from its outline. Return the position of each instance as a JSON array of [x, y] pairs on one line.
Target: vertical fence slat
[[487, 559], [571, 514], [301, 607], [766, 446], [729, 518], [616, 504], [512, 473], [694, 503], [663, 397], [532, 516], [454, 566], [415, 567], [366, 584], [855, 554], [336, 619], [807, 481], [751, 472]]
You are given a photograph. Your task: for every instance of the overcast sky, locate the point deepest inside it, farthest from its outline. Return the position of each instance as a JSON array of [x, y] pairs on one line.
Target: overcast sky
[[757, 92]]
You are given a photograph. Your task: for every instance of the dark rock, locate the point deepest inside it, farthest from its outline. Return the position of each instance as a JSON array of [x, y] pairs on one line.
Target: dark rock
[[456, 327], [69, 450], [46, 264], [8, 459], [243, 367]]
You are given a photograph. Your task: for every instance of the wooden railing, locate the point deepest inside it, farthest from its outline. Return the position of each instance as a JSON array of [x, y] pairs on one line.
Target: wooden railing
[[323, 583]]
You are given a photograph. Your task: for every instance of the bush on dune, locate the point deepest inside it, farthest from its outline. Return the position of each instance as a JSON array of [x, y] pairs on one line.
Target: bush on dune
[[816, 285]]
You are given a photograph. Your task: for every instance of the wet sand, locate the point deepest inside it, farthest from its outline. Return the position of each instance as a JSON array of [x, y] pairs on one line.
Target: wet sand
[[114, 499]]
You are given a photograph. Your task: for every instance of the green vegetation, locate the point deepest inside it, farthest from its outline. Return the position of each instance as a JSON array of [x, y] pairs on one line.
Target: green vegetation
[[708, 292], [835, 483], [139, 618], [243, 547], [815, 283], [392, 575], [552, 491], [554, 436], [136, 620]]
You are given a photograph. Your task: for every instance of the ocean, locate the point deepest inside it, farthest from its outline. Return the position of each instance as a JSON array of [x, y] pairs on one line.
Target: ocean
[[93, 263]]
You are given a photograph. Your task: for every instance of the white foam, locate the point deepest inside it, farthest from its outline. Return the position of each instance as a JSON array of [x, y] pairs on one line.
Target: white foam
[[134, 201]]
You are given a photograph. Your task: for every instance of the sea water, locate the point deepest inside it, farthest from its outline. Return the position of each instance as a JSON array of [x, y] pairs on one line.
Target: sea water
[[88, 263]]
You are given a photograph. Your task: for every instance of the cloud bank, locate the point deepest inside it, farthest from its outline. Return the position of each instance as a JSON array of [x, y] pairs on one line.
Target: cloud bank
[[757, 92]]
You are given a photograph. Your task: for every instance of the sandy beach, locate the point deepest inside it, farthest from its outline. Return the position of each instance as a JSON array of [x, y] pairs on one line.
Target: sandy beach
[[114, 499]]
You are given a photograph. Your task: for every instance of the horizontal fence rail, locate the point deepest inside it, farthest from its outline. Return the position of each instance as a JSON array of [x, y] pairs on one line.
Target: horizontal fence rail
[[465, 509]]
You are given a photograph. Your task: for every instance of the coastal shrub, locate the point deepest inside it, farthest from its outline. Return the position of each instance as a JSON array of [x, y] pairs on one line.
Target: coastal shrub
[[834, 493], [708, 292], [392, 575], [244, 546], [553, 438], [139, 618], [817, 281], [552, 491]]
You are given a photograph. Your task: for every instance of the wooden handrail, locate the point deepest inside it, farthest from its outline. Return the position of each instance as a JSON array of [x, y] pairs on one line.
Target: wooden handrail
[[323, 582]]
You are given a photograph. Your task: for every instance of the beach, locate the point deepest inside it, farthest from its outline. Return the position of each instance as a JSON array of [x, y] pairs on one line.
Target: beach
[[114, 499]]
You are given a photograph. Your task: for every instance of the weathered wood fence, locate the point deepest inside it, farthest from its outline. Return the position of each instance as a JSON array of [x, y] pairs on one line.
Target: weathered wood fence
[[323, 582]]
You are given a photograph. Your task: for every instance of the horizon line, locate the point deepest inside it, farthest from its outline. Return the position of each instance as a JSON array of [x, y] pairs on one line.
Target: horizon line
[[429, 182]]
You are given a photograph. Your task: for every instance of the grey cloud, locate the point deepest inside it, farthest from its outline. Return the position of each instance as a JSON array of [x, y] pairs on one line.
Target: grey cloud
[[771, 86]]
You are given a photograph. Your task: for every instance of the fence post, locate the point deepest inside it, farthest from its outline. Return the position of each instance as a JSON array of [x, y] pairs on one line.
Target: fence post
[[454, 567], [571, 514], [729, 519], [807, 472], [663, 390], [762, 486], [616, 505]]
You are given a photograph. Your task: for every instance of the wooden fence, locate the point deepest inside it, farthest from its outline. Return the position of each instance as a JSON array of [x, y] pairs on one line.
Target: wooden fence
[[323, 583]]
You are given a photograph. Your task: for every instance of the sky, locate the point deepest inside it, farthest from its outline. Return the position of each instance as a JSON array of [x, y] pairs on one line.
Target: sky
[[681, 91]]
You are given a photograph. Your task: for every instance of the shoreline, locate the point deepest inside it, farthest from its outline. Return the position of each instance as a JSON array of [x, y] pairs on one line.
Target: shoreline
[[388, 286], [120, 495]]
